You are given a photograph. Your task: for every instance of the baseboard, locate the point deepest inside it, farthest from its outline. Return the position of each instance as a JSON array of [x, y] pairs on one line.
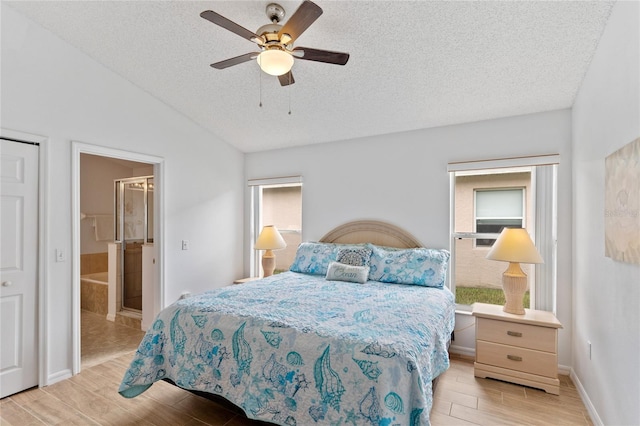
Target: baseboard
[[111, 317], [595, 418], [58, 377], [564, 370], [462, 350]]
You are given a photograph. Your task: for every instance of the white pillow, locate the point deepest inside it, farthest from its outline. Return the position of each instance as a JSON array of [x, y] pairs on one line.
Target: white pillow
[[342, 272]]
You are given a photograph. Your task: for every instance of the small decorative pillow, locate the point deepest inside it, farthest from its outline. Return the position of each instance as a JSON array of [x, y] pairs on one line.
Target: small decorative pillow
[[359, 256], [419, 266], [343, 272], [313, 258]]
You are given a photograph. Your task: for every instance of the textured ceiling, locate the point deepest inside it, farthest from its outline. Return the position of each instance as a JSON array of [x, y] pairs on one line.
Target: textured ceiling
[[414, 64]]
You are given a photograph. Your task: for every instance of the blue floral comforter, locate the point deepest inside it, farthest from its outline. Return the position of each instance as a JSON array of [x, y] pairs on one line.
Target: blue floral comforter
[[296, 349]]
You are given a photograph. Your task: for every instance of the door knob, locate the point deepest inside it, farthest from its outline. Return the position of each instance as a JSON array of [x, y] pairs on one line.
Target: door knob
[[6, 284]]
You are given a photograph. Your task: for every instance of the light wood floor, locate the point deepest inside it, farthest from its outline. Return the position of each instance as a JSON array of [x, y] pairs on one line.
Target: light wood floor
[[91, 397], [102, 340]]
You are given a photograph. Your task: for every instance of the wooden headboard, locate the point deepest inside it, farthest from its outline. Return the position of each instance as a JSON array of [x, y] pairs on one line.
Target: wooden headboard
[[371, 231]]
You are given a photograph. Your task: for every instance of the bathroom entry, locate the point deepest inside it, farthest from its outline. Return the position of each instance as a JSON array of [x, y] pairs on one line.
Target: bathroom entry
[[105, 222], [133, 212], [104, 324]]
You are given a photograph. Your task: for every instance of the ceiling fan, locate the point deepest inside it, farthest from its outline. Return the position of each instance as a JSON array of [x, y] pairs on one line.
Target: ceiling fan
[[276, 55]]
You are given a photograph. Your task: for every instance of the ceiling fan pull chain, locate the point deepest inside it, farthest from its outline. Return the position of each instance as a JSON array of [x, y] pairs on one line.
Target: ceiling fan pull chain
[[260, 84], [289, 92]]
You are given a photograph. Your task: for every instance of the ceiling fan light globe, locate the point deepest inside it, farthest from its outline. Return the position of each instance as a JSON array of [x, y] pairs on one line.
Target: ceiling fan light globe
[[275, 62]]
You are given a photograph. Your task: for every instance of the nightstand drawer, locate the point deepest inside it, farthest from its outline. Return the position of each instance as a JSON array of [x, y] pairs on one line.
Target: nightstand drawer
[[515, 334], [520, 359]]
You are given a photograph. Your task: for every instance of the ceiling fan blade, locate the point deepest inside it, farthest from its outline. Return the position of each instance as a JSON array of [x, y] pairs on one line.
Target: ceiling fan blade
[[225, 23], [286, 79], [235, 61], [301, 19], [318, 55]]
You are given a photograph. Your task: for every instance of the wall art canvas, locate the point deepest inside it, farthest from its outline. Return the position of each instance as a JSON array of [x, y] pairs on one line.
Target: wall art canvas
[[622, 204]]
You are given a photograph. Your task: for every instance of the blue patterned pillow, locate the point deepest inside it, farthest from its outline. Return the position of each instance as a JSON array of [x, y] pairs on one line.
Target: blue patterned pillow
[[358, 256], [418, 266], [314, 258]]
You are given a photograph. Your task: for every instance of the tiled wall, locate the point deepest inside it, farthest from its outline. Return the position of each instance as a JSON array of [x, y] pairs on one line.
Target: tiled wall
[[94, 262], [93, 296]]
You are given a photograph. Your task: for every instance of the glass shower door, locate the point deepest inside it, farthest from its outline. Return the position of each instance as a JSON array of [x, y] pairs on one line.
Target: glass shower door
[[134, 227]]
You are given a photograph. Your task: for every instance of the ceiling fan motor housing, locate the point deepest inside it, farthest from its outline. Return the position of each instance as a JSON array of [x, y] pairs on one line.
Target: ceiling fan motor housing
[[275, 12], [270, 33]]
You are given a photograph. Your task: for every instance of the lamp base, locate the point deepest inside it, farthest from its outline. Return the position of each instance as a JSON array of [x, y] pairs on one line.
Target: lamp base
[[514, 285], [268, 263]]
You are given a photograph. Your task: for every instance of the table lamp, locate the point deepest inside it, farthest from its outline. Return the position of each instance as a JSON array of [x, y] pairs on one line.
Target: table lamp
[[514, 246], [269, 239]]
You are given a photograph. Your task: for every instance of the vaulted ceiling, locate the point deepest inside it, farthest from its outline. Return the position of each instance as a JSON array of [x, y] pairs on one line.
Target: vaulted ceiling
[[413, 64]]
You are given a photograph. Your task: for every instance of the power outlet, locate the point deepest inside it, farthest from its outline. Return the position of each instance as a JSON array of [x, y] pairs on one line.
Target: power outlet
[[185, 244], [589, 347]]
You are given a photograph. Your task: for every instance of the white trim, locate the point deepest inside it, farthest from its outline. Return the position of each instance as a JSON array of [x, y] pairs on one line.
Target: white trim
[[78, 148], [280, 181], [158, 233], [43, 297], [22, 136], [500, 163], [59, 376], [256, 203], [43, 246], [545, 186], [462, 350], [452, 238], [593, 414]]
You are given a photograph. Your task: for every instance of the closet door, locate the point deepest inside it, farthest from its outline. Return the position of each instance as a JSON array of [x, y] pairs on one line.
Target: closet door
[[18, 266]]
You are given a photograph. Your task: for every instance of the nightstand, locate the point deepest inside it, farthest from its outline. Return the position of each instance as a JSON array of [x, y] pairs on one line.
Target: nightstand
[[246, 280], [520, 349]]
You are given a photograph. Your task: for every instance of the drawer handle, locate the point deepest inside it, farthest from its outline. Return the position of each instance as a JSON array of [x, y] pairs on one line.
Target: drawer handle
[[514, 333], [514, 357]]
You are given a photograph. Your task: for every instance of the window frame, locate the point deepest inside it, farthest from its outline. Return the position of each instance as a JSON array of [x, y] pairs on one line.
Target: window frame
[[544, 189], [256, 187]]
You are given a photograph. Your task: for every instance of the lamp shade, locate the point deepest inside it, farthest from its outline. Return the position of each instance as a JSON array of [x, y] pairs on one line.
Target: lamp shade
[[275, 62], [514, 245], [269, 239]]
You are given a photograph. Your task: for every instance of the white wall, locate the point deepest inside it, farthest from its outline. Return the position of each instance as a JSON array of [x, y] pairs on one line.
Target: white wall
[[606, 116], [402, 178], [52, 89]]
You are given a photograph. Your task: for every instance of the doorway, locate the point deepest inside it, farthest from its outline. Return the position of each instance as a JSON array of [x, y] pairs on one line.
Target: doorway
[[103, 213]]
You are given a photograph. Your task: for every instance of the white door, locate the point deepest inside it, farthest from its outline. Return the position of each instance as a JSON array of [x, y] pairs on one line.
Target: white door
[[18, 267]]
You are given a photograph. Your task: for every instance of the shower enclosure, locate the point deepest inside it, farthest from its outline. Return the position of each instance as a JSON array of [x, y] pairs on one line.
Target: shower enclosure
[[133, 204]]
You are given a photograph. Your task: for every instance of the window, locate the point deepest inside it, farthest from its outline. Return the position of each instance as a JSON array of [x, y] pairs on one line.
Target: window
[[485, 198], [276, 202], [497, 209]]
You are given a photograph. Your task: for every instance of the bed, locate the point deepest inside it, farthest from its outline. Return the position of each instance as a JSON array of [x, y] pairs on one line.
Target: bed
[[311, 346]]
